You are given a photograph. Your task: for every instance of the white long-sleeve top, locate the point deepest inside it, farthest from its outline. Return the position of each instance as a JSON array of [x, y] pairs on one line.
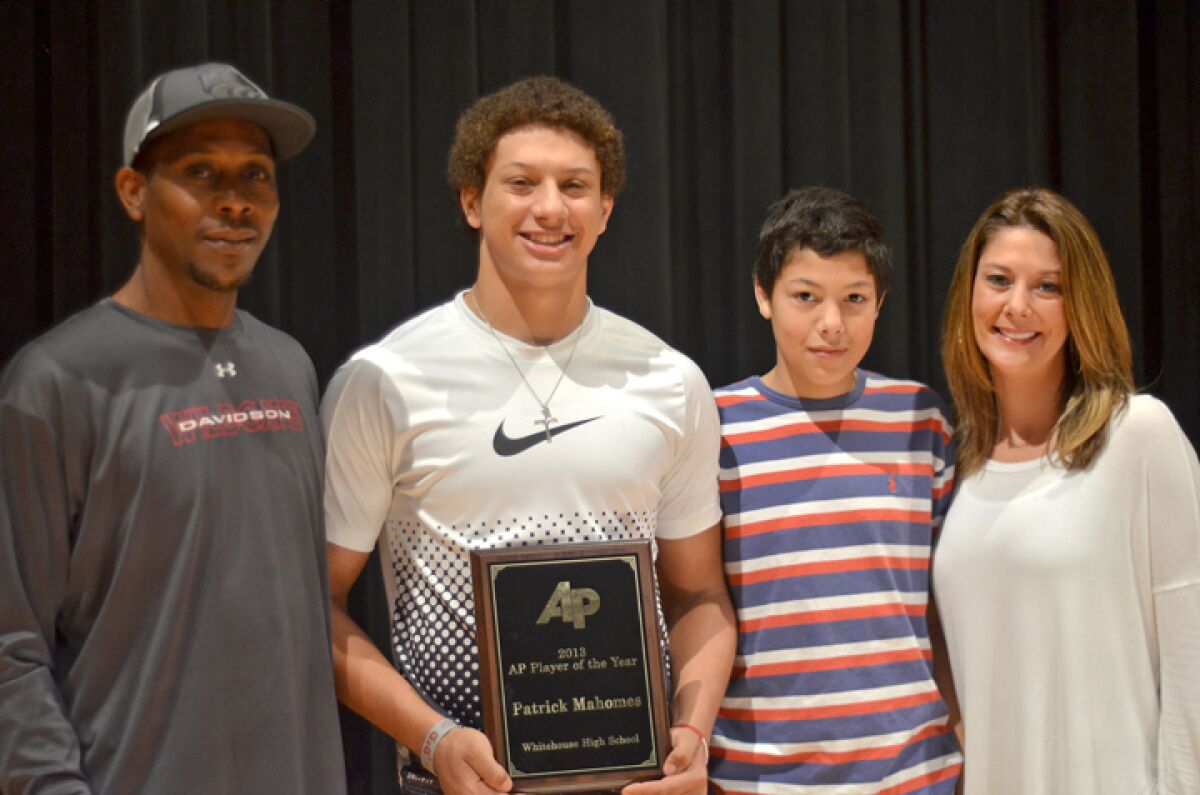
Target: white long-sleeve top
[[1071, 605]]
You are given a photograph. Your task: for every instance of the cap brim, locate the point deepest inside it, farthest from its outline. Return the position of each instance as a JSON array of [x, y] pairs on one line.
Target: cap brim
[[289, 126]]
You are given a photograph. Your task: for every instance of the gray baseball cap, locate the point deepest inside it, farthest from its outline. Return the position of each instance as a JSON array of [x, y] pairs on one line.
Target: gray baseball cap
[[213, 91]]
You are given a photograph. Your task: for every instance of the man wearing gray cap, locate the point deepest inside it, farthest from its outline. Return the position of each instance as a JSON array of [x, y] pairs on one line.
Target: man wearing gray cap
[[164, 611]]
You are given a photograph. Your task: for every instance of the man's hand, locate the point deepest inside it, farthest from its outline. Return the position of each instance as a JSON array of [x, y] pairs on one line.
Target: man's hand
[[464, 765], [685, 771]]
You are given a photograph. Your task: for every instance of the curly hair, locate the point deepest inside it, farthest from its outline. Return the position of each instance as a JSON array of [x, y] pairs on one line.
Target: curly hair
[[1098, 371], [544, 101]]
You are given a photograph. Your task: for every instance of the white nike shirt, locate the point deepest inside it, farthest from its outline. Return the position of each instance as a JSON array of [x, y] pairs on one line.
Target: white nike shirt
[[434, 450]]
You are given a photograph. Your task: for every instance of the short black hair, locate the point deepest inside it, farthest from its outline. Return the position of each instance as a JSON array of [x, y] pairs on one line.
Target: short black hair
[[827, 221]]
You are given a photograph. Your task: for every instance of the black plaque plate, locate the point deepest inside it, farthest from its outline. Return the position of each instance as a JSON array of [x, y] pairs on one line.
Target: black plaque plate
[[571, 664]]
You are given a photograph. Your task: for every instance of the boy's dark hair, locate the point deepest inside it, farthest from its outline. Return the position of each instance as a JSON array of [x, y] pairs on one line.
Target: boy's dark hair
[[545, 101], [827, 221]]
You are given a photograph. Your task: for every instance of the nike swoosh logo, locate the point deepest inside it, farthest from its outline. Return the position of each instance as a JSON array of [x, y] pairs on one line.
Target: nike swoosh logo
[[506, 446]]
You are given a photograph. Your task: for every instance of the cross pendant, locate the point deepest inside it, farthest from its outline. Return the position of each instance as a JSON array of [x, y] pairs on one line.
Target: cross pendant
[[545, 422]]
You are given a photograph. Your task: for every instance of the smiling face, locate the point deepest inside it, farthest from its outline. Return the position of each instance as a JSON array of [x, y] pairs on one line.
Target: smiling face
[[1017, 308], [822, 312], [540, 210], [207, 202]]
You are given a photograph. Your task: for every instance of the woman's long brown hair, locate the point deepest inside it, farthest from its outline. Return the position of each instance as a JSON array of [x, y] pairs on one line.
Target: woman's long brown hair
[[1099, 370]]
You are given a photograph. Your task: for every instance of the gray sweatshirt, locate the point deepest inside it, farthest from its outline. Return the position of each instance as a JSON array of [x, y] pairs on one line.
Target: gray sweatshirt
[[164, 611]]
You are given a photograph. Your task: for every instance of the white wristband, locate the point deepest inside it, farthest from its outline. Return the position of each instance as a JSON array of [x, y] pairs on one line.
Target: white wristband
[[435, 736]]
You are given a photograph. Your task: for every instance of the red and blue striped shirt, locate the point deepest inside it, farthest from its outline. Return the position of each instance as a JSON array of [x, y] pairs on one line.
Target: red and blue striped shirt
[[830, 508]]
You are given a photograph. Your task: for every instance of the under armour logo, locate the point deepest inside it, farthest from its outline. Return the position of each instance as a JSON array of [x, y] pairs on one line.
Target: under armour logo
[[226, 370]]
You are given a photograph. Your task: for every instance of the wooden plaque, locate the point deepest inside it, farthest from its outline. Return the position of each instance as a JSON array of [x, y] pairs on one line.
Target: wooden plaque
[[571, 665]]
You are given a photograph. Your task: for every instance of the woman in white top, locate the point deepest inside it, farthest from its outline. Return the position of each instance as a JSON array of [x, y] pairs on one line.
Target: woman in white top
[[1068, 570]]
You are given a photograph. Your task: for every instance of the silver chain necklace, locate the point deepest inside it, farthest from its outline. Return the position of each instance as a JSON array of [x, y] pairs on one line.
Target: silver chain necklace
[[547, 417]]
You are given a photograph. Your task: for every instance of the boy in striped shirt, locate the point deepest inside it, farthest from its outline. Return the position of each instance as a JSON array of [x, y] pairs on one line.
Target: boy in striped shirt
[[833, 483]]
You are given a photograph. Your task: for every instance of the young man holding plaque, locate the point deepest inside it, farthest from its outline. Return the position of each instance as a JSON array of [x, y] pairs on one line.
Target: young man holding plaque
[[520, 414]]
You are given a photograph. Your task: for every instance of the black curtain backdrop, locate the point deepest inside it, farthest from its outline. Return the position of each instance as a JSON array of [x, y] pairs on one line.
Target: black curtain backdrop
[[926, 110]]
